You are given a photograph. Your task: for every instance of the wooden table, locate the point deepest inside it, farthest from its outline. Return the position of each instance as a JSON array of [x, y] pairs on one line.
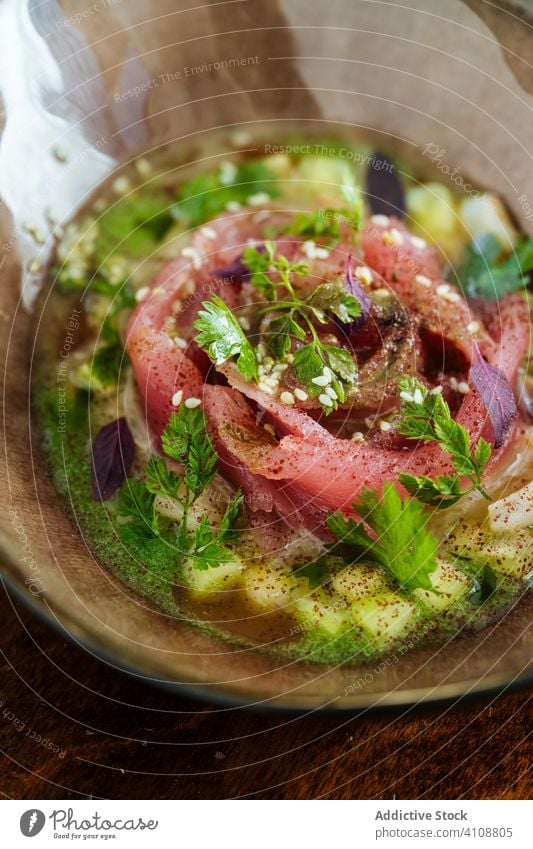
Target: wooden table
[[71, 727]]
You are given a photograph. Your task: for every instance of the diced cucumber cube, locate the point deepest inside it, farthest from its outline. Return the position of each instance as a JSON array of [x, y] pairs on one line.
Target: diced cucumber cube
[[450, 584], [359, 580], [207, 583], [509, 554], [323, 610], [268, 587], [384, 617]]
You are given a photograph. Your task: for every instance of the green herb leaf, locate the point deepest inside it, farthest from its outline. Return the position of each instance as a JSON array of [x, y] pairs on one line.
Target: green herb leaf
[[208, 551], [223, 337], [427, 417], [137, 502], [186, 439], [402, 544], [487, 273]]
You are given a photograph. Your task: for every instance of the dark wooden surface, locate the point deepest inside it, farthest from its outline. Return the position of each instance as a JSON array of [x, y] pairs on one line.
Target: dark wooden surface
[[71, 727]]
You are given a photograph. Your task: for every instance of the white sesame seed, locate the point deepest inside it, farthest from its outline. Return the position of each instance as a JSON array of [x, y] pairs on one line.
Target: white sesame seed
[[142, 294], [261, 350], [260, 216], [233, 206], [357, 436], [279, 368], [453, 383], [453, 297], [406, 396], [321, 380], [191, 403], [393, 237], [259, 199], [381, 294], [442, 289], [180, 343], [331, 392], [290, 358], [158, 291], [423, 280], [437, 390], [326, 371], [463, 387], [244, 322], [385, 427], [287, 398], [473, 326], [418, 243], [369, 421], [192, 253], [121, 186], [364, 274], [300, 394], [208, 232], [241, 138], [314, 251], [325, 400], [228, 172], [177, 397], [418, 397], [380, 220], [270, 429], [265, 388], [143, 167]]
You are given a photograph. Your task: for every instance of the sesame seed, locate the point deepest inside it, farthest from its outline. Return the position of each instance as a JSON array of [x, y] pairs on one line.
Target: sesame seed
[[443, 289], [265, 388], [453, 383], [381, 294], [228, 172], [143, 167], [300, 394], [191, 403], [259, 199], [314, 251], [177, 397], [357, 436], [325, 400], [326, 371], [418, 243], [270, 429], [364, 274], [290, 358], [180, 343], [380, 220], [418, 397], [142, 294], [437, 390], [192, 253], [423, 280], [331, 392], [233, 206], [463, 387], [287, 398], [385, 427], [244, 322], [321, 380], [473, 327], [208, 232], [121, 186], [392, 237], [261, 350], [158, 291], [406, 396], [453, 297]]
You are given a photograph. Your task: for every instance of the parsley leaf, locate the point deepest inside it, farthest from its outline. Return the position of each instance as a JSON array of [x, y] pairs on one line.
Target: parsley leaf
[[224, 338], [402, 544], [186, 439], [486, 273], [427, 417], [317, 224], [137, 502]]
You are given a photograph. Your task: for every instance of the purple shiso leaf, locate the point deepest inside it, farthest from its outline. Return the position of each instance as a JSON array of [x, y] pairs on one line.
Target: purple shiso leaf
[[113, 451], [236, 271], [385, 193], [497, 396], [353, 287]]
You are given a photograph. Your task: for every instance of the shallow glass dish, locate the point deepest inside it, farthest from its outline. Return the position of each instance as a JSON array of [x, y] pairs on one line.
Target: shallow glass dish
[[99, 87]]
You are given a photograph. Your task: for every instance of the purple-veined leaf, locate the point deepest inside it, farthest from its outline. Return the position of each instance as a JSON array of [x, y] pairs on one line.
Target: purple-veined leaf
[[354, 288], [113, 451], [385, 193], [236, 271], [497, 396]]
